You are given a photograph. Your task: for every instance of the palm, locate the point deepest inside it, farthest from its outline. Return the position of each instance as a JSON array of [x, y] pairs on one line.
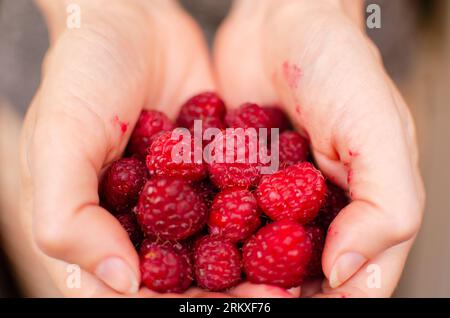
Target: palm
[[322, 69]]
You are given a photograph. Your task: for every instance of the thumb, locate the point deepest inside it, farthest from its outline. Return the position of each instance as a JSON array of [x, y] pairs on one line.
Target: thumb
[[75, 127]]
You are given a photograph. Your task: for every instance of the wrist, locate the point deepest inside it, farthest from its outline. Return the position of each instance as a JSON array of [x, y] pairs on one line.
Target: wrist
[[58, 12]]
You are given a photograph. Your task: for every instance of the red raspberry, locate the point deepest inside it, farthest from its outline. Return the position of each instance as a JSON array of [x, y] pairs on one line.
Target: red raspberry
[[234, 215], [238, 167], [209, 122], [183, 248], [277, 254], [335, 200], [217, 263], [317, 237], [164, 268], [293, 148], [278, 118], [206, 190], [149, 123], [202, 106], [248, 115], [161, 160], [295, 193], [121, 184], [170, 208], [129, 223]]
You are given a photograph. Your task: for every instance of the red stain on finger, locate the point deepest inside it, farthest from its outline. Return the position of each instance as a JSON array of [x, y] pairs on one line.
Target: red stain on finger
[[291, 74], [353, 153], [123, 126], [349, 176]]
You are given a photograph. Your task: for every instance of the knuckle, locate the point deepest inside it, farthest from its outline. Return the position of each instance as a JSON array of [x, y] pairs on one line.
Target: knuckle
[[407, 226], [50, 237]]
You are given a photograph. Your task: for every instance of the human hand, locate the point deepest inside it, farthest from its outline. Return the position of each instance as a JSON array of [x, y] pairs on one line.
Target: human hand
[[313, 58], [125, 57]]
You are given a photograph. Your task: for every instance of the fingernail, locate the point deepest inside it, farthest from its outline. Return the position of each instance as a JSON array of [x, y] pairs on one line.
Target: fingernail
[[118, 275], [345, 266]]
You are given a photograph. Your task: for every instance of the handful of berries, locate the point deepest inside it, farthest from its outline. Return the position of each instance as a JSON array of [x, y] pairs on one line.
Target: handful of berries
[[216, 223]]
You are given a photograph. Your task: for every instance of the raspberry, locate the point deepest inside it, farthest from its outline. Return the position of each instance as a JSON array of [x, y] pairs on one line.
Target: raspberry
[[295, 193], [317, 237], [248, 115], [293, 148], [161, 160], [121, 184], [206, 190], [238, 167], [209, 122], [129, 223], [277, 254], [278, 118], [165, 268], [234, 215], [217, 263], [170, 208], [149, 123], [202, 106], [183, 248], [335, 200]]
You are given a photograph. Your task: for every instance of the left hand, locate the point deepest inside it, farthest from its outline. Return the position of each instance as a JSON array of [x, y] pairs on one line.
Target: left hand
[[313, 58]]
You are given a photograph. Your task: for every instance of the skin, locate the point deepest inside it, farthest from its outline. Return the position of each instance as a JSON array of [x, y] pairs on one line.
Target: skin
[[314, 58], [328, 76]]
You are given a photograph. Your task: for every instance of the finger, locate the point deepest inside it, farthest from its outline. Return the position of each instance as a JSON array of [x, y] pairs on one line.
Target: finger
[[378, 278], [368, 146], [78, 125], [385, 208], [250, 290]]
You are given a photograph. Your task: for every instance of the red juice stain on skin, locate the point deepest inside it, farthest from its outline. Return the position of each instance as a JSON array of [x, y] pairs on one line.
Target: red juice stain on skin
[[331, 231], [292, 74], [353, 153], [349, 176], [123, 126]]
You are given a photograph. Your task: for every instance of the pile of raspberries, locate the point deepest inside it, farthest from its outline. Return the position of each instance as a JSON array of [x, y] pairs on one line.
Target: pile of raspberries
[[215, 224]]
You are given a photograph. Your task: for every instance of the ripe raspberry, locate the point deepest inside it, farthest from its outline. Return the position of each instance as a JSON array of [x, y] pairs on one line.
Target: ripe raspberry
[[206, 190], [248, 115], [164, 268], [238, 167], [278, 118], [129, 223], [217, 263], [277, 254], [209, 122], [170, 208], [202, 106], [121, 184], [293, 148], [317, 237], [234, 215], [335, 200], [295, 193], [161, 160], [183, 248], [149, 123]]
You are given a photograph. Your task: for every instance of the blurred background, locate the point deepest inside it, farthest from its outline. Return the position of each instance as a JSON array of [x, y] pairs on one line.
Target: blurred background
[[415, 44]]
